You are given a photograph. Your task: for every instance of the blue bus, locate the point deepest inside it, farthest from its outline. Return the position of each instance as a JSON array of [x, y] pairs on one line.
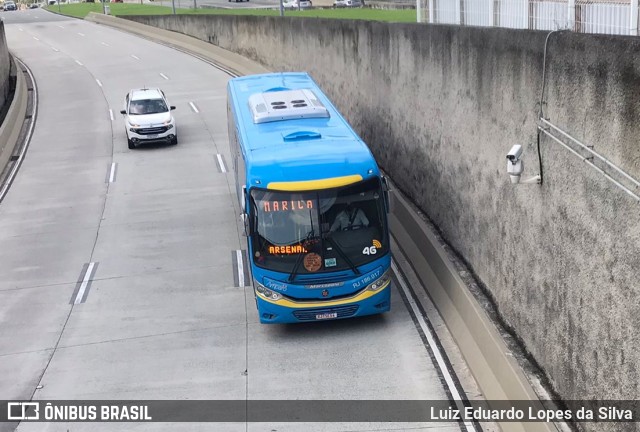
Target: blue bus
[[313, 201]]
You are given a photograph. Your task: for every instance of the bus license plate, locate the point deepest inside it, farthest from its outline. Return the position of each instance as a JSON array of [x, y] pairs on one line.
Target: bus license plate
[[327, 315]]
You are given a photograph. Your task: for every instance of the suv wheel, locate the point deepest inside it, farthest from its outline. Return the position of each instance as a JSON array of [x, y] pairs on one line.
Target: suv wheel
[[131, 144], [174, 141]]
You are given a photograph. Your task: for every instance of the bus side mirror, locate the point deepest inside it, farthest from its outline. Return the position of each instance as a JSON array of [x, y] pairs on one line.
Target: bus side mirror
[[244, 215], [245, 222], [386, 189], [243, 199]]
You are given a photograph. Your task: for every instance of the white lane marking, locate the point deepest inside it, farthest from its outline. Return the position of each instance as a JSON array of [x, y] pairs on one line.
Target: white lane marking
[[240, 268], [135, 56], [112, 173], [98, 81], [111, 114], [81, 34], [164, 76], [193, 107], [55, 49], [20, 28], [431, 340], [79, 62], [60, 26], [85, 283], [221, 162], [35, 38], [104, 43]]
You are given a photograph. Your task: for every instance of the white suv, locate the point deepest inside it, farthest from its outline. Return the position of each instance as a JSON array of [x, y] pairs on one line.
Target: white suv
[[148, 117]]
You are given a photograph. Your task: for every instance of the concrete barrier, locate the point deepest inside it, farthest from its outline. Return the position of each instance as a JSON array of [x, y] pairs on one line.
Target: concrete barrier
[[12, 124], [497, 373], [5, 62]]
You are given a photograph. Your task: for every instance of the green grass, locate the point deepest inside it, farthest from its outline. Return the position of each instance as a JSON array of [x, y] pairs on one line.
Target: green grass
[[81, 10]]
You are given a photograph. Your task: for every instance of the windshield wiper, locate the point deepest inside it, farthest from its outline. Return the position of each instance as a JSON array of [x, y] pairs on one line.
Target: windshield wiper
[[343, 255], [310, 236]]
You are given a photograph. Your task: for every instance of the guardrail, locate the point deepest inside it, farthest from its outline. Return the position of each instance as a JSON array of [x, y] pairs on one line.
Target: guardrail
[[498, 374]]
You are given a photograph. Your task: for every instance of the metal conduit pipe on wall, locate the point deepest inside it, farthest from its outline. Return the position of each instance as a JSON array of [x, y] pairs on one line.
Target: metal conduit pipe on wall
[[588, 161]]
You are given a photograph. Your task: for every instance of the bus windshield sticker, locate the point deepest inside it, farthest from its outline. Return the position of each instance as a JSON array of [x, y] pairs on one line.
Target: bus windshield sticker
[[330, 262], [312, 262]]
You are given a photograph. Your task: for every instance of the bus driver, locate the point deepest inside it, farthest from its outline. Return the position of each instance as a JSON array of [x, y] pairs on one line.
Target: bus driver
[[351, 218]]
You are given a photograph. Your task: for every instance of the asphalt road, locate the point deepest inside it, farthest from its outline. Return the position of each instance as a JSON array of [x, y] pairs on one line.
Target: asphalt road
[[29, 16], [158, 226]]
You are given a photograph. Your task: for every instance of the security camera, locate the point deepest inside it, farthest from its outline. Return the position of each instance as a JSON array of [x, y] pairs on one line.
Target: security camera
[[515, 153], [515, 169], [515, 166]]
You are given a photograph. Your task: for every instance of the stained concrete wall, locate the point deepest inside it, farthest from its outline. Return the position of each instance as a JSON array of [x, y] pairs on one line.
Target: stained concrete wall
[[440, 107], [4, 67]]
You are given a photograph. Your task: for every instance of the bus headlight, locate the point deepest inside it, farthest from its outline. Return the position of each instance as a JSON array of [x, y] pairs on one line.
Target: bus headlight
[[380, 283], [265, 292]]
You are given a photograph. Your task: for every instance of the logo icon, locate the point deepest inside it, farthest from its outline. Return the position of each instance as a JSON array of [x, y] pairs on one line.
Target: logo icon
[[325, 293], [23, 411], [377, 244]]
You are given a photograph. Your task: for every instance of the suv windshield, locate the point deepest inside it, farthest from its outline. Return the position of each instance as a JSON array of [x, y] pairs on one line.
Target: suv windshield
[[147, 106], [333, 230]]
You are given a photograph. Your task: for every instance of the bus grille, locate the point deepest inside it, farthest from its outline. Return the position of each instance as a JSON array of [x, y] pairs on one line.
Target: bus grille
[[341, 311]]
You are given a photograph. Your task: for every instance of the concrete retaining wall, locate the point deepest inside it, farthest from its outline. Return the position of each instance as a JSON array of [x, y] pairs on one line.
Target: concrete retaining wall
[[5, 63], [440, 107]]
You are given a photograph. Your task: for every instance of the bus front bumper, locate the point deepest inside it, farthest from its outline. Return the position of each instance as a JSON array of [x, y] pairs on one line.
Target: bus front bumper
[[272, 313]]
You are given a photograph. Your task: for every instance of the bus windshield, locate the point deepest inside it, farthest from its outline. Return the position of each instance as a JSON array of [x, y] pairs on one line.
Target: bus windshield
[[302, 233]]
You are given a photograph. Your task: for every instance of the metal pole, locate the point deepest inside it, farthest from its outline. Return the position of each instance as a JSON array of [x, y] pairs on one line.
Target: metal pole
[[418, 11], [281, 9], [432, 11], [495, 17], [492, 12], [173, 6], [571, 15], [195, 4], [633, 25]]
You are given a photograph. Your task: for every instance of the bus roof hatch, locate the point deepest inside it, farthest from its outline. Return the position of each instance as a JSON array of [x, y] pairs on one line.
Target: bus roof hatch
[[286, 105]]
